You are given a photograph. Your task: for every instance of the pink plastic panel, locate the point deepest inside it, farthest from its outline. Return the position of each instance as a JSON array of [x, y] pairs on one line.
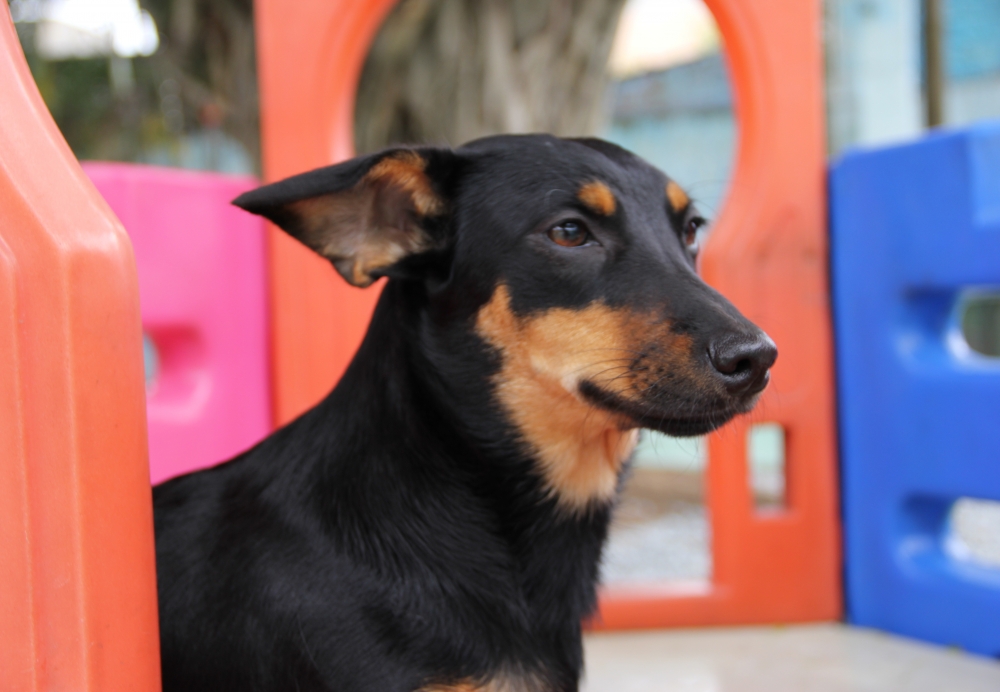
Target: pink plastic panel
[[203, 296]]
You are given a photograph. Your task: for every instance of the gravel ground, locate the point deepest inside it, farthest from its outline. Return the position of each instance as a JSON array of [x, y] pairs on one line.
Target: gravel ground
[[669, 539], [671, 546], [803, 658]]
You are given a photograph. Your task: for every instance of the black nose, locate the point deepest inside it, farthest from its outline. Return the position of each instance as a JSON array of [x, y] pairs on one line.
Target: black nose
[[743, 361]]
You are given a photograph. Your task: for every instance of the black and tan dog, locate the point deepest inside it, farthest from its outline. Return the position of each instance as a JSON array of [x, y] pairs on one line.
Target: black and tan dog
[[437, 522]]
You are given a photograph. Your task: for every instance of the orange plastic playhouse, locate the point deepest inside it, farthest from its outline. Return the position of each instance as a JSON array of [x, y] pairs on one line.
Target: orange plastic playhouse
[[77, 579], [77, 575]]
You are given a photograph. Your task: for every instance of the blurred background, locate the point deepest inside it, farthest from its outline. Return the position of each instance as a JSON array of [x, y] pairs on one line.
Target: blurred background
[[173, 83]]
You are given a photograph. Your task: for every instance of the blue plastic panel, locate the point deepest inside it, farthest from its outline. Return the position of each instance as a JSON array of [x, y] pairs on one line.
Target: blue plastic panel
[[912, 227]]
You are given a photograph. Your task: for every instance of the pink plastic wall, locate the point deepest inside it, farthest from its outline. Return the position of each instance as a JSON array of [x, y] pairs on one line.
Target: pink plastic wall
[[202, 292]]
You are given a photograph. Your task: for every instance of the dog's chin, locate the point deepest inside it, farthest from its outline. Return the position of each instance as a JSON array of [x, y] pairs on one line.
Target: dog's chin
[[649, 416]]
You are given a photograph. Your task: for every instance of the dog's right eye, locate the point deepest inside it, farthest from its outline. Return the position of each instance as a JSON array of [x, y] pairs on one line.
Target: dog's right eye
[[569, 234]]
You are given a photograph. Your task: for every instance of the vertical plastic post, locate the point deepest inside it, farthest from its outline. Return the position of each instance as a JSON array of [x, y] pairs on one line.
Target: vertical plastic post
[[77, 573], [309, 60], [916, 234]]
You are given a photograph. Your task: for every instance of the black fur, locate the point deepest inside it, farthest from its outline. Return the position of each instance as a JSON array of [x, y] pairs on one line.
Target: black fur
[[399, 534]]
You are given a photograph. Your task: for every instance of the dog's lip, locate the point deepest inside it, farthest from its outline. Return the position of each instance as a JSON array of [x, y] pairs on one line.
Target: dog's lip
[[652, 419]]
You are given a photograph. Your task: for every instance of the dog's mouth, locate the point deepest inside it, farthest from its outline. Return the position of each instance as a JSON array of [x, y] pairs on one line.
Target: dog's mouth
[[649, 416]]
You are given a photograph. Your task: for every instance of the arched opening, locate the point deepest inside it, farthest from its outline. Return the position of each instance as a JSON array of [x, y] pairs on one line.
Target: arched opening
[[649, 75], [669, 101]]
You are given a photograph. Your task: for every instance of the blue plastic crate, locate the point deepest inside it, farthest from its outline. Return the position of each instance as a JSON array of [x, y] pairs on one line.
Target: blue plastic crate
[[913, 228]]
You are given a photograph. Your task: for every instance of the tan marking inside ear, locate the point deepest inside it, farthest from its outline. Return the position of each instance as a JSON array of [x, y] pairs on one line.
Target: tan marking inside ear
[[679, 199], [545, 357], [405, 170], [598, 197], [373, 220]]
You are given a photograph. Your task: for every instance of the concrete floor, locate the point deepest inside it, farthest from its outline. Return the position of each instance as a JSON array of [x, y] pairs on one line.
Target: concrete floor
[[660, 530], [805, 658]]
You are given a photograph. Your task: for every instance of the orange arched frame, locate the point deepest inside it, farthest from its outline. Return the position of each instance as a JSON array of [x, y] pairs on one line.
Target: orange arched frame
[[309, 61], [77, 572], [767, 254]]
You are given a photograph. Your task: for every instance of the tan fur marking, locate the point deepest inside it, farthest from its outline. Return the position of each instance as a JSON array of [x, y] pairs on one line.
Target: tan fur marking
[[406, 171], [370, 226], [598, 197], [677, 197], [546, 356], [502, 683]]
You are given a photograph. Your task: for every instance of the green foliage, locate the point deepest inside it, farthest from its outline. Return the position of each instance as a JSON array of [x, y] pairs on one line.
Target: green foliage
[[97, 122], [192, 103]]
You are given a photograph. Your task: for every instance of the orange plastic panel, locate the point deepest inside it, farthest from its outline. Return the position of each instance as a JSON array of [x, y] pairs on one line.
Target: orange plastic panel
[[310, 56], [768, 254], [77, 573]]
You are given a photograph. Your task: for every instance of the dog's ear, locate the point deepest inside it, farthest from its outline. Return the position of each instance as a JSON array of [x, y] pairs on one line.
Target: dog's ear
[[366, 215]]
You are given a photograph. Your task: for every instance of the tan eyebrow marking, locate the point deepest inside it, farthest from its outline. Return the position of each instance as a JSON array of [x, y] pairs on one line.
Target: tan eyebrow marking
[[598, 197], [677, 197]]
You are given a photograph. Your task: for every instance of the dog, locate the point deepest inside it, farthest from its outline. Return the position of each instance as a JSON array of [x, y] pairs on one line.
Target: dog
[[436, 523]]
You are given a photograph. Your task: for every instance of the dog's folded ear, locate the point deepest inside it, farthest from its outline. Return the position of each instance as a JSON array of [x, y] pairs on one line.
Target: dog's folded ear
[[367, 215]]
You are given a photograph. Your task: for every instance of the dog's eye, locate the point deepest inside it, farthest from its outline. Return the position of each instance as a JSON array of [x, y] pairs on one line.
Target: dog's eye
[[569, 234], [691, 233]]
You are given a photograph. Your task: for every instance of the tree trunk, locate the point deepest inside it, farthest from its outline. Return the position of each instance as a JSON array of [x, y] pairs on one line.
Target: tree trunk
[[447, 71]]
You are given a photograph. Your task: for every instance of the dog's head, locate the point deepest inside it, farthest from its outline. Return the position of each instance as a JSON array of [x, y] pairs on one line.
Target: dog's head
[[570, 263]]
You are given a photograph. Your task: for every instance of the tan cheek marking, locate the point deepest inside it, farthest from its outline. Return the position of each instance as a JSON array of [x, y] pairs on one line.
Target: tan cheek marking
[[598, 197], [580, 448], [677, 197]]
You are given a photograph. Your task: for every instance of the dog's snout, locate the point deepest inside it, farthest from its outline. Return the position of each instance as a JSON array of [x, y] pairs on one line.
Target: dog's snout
[[743, 362]]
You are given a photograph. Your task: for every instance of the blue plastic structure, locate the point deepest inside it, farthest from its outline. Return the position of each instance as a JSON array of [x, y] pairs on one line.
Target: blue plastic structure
[[914, 229]]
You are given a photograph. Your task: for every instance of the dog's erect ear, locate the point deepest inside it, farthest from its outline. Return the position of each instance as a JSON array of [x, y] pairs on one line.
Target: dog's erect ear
[[367, 214]]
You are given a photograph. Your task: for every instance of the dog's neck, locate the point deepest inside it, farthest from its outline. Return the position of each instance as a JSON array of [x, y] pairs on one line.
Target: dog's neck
[[461, 451]]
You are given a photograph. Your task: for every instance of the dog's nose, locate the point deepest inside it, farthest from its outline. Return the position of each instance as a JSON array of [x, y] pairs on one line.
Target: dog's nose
[[743, 361]]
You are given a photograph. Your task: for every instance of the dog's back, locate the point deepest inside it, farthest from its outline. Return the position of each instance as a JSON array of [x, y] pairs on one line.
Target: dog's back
[[436, 523]]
